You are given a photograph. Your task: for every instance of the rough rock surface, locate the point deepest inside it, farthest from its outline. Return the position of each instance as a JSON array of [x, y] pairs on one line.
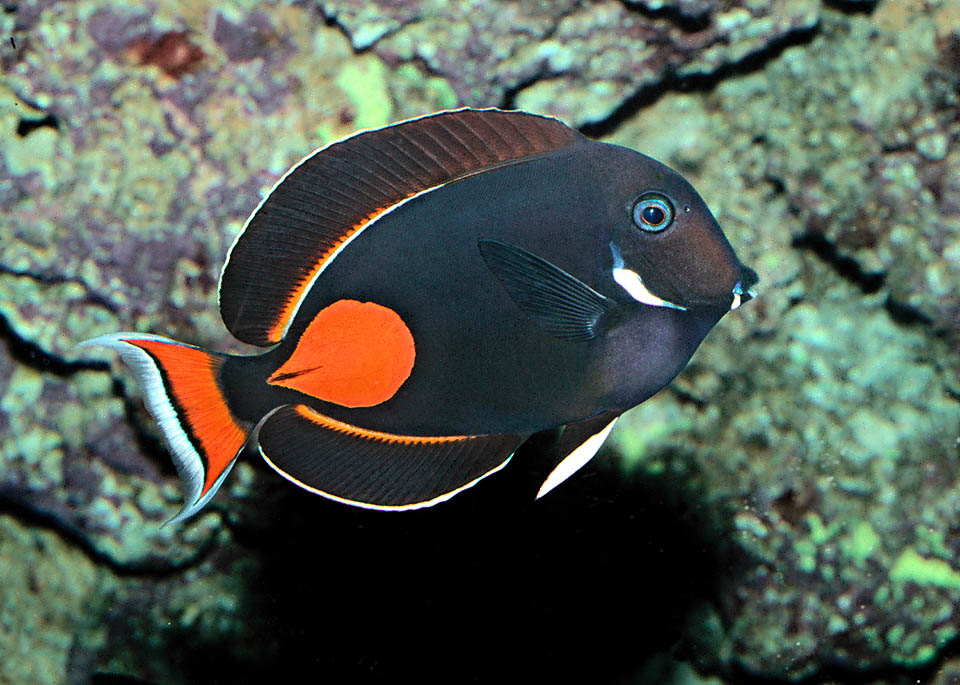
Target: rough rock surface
[[818, 427], [574, 59], [825, 421]]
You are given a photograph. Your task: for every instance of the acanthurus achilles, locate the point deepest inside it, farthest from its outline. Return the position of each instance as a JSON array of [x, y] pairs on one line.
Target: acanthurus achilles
[[432, 293]]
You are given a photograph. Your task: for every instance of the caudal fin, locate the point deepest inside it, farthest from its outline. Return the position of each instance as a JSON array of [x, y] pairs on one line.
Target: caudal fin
[[182, 391]]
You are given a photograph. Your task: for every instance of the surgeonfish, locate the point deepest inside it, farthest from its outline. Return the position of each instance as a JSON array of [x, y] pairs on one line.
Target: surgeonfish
[[430, 294]]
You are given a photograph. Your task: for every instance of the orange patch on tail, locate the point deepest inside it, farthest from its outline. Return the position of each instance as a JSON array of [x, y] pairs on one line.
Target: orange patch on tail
[[191, 376], [356, 354]]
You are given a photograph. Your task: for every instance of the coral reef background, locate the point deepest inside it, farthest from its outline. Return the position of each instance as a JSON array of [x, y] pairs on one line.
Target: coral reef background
[[787, 510]]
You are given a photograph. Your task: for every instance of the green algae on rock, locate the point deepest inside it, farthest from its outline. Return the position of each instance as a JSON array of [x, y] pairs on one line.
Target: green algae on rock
[[68, 615], [578, 61], [870, 399], [913, 568], [157, 185]]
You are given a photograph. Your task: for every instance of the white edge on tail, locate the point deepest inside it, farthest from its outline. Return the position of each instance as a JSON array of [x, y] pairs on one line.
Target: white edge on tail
[[187, 461]]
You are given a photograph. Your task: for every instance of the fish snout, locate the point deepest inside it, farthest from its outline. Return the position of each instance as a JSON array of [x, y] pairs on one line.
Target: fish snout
[[744, 291]]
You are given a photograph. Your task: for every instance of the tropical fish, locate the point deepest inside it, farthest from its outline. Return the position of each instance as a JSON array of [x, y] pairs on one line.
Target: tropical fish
[[431, 294]]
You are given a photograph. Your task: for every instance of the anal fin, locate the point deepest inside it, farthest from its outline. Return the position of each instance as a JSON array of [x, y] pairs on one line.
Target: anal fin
[[373, 469], [579, 443]]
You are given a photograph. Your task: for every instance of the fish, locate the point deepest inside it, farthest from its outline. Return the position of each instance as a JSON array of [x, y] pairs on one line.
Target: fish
[[430, 294]]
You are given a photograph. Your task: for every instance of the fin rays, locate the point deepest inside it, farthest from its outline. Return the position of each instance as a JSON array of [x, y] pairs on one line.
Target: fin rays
[[334, 193], [373, 469], [182, 394], [559, 303]]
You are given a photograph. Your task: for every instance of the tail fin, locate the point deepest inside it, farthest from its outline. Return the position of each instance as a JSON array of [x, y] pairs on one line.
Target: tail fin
[[183, 393]]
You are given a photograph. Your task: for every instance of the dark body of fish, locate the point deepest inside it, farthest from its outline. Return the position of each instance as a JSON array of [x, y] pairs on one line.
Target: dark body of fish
[[558, 286]]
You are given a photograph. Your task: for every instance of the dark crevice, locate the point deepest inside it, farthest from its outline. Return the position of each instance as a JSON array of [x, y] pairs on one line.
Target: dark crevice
[[779, 187], [852, 6], [688, 23], [647, 95], [30, 354], [30, 515], [509, 100], [28, 126], [891, 148], [48, 279], [330, 20], [906, 314], [684, 397], [868, 281], [109, 678], [430, 71]]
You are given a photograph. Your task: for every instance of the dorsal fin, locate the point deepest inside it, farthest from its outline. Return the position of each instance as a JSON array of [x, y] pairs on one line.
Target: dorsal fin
[[326, 199]]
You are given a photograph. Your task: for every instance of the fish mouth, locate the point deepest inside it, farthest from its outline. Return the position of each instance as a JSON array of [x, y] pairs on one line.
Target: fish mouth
[[743, 291]]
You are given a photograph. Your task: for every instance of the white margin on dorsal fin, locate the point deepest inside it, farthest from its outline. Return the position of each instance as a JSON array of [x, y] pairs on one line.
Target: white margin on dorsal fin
[[290, 308]]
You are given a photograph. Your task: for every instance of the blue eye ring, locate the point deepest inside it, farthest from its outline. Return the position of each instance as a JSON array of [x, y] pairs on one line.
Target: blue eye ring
[[653, 213]]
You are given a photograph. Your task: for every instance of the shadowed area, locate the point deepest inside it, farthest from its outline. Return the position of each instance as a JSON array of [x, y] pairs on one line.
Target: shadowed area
[[585, 583]]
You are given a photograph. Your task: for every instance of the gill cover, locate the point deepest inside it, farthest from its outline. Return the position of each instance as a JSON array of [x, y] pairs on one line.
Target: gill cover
[[665, 233]]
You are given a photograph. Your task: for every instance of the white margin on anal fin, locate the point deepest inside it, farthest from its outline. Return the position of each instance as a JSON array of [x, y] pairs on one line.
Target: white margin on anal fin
[[574, 461], [187, 461], [383, 507]]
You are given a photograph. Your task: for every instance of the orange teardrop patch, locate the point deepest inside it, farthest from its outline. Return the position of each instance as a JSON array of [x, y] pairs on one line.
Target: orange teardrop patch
[[356, 354]]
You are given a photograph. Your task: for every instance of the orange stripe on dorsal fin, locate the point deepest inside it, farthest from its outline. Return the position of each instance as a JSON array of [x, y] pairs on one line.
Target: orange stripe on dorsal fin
[[333, 194], [375, 469], [356, 354]]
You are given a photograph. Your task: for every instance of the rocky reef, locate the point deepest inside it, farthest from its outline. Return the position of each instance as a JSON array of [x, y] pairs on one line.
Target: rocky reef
[[807, 459]]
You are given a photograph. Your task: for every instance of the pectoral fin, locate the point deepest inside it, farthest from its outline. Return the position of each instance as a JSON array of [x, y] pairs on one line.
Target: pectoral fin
[[559, 303]]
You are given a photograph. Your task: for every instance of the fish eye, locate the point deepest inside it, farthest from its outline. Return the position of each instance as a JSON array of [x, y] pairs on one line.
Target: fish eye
[[653, 212]]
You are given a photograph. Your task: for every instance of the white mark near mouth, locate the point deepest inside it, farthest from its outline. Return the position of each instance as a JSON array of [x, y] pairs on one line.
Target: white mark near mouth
[[630, 281], [738, 295]]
